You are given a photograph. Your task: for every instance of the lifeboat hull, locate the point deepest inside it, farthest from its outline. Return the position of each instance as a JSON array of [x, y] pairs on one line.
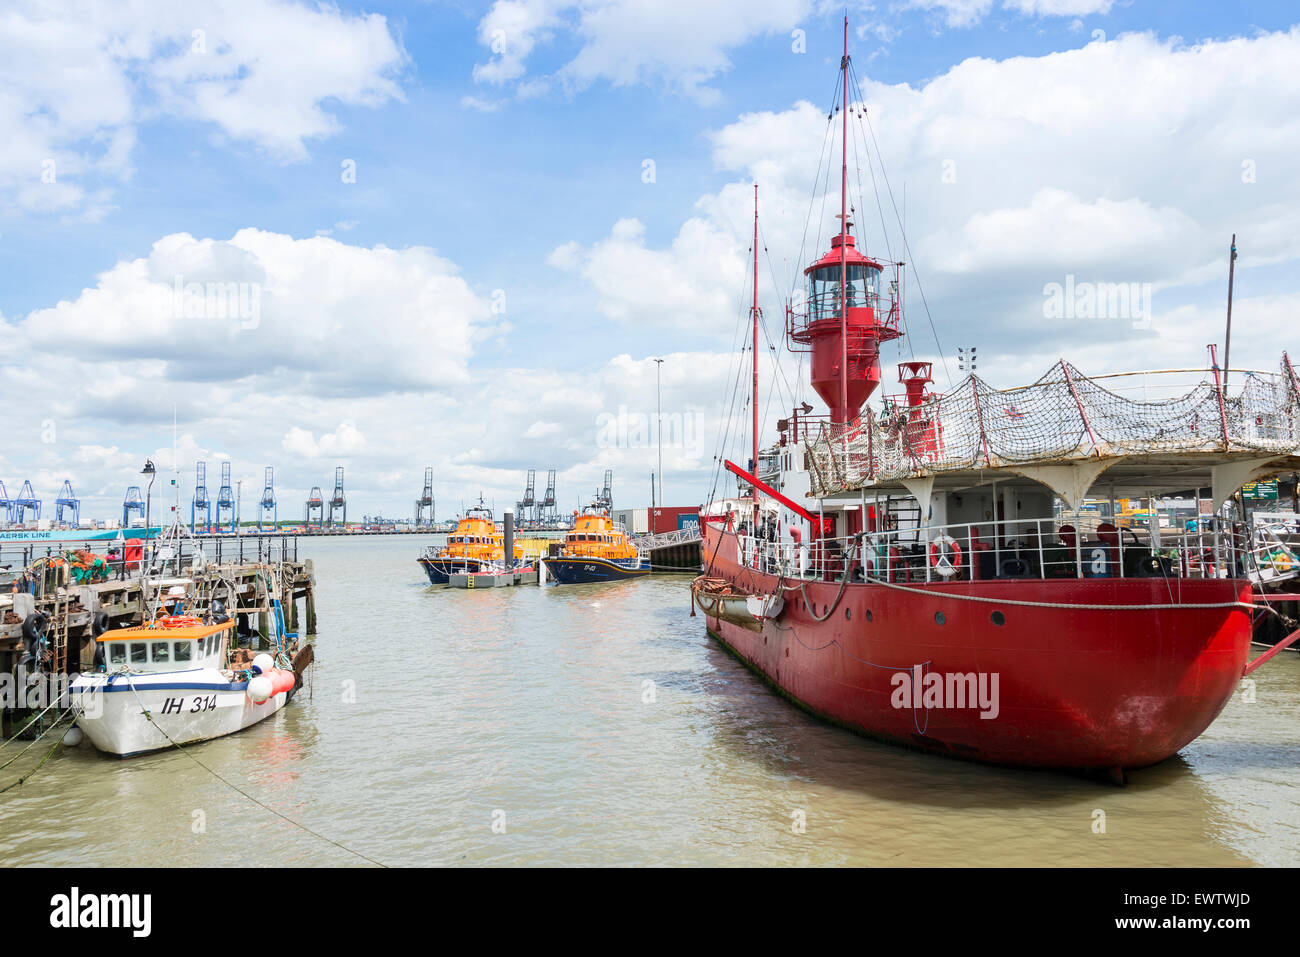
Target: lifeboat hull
[[439, 570], [1095, 688], [577, 571]]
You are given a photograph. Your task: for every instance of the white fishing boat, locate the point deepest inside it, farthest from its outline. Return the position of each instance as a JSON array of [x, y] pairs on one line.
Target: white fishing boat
[[172, 682]]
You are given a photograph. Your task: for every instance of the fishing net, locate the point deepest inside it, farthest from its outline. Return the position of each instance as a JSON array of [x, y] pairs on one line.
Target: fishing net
[[1063, 416]]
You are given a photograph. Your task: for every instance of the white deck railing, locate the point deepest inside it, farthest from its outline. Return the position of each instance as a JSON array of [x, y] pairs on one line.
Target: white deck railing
[[1035, 549]]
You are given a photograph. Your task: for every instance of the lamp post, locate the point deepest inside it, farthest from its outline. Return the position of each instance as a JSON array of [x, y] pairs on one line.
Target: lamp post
[[659, 413], [150, 471]]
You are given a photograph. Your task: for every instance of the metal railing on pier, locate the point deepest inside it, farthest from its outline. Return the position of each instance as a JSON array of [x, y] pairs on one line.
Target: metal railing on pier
[[25, 566]]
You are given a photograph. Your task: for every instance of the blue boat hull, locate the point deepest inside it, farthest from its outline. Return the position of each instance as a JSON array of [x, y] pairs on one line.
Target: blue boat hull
[[439, 568], [577, 571]]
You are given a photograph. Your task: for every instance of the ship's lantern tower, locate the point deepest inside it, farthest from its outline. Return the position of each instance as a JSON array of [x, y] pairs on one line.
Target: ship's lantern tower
[[872, 318], [847, 315]]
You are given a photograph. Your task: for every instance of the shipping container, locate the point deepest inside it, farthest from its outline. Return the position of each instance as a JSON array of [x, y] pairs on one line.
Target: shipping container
[[669, 518], [635, 520]]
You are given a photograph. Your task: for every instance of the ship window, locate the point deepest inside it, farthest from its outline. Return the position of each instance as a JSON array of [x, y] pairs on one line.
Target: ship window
[[117, 653], [183, 651], [162, 651], [139, 652], [861, 288]]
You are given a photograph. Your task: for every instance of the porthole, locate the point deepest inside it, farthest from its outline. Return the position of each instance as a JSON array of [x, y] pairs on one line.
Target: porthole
[[938, 618], [998, 618], [847, 616], [868, 614]]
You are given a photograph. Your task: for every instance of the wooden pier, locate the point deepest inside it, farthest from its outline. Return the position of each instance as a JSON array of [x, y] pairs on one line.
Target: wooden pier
[[246, 577]]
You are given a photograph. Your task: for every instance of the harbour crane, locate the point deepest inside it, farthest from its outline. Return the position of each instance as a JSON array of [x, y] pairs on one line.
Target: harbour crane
[[25, 501], [550, 510], [315, 503], [338, 500], [133, 502], [7, 504], [524, 507], [425, 500], [267, 506], [202, 502], [67, 500], [225, 501], [606, 495]]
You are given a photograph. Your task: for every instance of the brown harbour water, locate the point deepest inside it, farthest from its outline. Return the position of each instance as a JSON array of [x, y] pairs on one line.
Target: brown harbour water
[[431, 713]]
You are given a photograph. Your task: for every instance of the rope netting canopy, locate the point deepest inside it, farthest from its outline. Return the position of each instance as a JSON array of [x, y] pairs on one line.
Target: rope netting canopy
[[1064, 417]]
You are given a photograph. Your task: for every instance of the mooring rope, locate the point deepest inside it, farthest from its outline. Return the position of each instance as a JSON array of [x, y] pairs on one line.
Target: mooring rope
[[26, 726], [239, 790], [1073, 606], [41, 763]]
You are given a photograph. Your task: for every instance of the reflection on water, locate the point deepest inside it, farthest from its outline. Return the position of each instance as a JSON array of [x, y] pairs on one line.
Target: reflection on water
[[600, 725]]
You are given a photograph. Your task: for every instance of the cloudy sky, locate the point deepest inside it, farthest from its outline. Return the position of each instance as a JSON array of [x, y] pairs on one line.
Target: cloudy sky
[[458, 235]]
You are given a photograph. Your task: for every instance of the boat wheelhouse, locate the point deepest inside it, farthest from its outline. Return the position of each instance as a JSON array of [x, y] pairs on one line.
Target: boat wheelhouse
[[597, 549], [477, 545]]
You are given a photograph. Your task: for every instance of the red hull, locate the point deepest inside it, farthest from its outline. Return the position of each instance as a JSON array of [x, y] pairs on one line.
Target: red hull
[[1077, 688]]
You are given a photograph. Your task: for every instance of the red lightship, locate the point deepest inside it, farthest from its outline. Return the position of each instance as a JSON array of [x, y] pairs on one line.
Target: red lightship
[[928, 574]]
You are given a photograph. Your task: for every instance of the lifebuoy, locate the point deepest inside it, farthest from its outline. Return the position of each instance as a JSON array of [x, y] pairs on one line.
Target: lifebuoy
[[945, 555], [178, 621]]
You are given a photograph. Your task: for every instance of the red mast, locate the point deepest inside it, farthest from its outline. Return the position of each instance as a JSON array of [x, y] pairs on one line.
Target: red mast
[[844, 226], [846, 317], [754, 314]]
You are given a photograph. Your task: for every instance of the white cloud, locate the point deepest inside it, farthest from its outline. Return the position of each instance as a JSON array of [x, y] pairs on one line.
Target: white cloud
[[682, 45], [540, 430], [966, 13], [691, 285], [258, 71], [479, 104], [1059, 230], [1060, 8], [363, 358], [279, 313], [344, 441], [1131, 160], [510, 30]]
